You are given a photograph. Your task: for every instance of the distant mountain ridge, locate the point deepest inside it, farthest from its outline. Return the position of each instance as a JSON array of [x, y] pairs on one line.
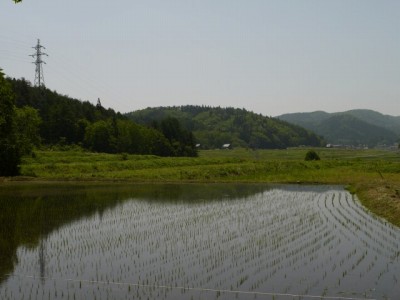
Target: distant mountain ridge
[[215, 126], [353, 127]]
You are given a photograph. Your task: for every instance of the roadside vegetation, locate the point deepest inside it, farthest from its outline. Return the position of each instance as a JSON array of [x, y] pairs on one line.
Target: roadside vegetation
[[374, 175]]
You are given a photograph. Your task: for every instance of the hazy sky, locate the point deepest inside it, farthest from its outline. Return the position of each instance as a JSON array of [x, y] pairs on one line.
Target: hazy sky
[[270, 57]]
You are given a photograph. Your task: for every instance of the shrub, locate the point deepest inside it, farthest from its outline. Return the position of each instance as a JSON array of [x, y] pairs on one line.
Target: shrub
[[312, 155]]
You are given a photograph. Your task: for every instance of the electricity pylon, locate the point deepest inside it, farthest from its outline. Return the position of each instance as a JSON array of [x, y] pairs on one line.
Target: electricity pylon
[[39, 78]]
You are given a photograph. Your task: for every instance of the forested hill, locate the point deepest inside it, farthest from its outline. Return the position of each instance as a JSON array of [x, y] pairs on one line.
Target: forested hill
[[62, 120], [353, 127], [215, 126]]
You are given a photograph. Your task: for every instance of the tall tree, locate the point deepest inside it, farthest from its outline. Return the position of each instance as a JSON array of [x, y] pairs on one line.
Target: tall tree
[[182, 140], [10, 156], [99, 137], [27, 124]]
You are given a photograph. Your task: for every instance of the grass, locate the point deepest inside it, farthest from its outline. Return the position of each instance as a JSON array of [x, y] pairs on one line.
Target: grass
[[374, 175]]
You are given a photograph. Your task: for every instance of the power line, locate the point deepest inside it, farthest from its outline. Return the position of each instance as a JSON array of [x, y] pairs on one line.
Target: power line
[[39, 78]]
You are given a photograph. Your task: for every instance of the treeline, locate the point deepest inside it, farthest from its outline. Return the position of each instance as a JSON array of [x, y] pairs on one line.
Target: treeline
[[70, 121], [32, 116], [215, 126]]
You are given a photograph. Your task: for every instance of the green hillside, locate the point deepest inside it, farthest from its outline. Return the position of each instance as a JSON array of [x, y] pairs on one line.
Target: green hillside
[[386, 121], [65, 122], [307, 119], [354, 127], [215, 126]]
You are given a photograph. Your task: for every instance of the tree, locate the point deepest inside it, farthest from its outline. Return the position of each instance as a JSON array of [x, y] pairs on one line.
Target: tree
[[27, 122], [128, 137], [10, 155], [99, 137], [181, 140], [156, 143], [61, 122]]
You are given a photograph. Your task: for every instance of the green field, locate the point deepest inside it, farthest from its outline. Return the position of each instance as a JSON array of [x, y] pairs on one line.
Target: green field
[[374, 175]]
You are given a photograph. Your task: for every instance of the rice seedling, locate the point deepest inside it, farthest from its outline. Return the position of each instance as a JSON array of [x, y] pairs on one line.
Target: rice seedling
[[280, 239]]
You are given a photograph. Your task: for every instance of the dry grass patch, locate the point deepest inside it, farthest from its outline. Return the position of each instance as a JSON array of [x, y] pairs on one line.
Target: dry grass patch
[[382, 197]]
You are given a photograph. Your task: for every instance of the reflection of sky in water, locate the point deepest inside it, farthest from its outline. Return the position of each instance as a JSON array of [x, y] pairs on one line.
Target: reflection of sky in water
[[295, 240]]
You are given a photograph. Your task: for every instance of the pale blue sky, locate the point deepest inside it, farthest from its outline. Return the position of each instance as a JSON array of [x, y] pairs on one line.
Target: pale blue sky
[[270, 57]]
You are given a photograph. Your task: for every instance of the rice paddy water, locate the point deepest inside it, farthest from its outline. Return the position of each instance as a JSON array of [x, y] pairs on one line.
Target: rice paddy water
[[214, 241]]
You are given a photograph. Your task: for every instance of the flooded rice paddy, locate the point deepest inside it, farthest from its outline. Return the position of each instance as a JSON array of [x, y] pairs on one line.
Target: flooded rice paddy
[[193, 242]]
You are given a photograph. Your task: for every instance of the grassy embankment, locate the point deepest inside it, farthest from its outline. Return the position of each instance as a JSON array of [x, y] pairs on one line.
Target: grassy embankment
[[372, 174]]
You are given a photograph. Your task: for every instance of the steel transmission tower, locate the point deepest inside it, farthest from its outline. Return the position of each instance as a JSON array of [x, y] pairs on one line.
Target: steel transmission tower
[[39, 78]]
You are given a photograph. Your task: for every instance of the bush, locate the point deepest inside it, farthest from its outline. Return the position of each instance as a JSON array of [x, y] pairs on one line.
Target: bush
[[312, 155]]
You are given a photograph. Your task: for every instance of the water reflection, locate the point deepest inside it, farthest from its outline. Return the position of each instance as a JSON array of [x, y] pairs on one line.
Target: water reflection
[[28, 213], [86, 242]]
